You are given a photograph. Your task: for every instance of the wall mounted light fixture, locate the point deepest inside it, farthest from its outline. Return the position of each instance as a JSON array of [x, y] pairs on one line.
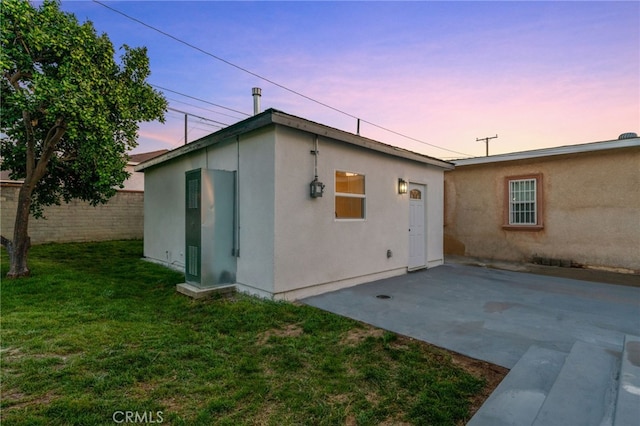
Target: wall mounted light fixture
[[316, 188], [402, 186]]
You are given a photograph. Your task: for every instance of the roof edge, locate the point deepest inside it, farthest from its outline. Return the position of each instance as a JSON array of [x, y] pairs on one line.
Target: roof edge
[[273, 116], [548, 152], [312, 127], [241, 127]]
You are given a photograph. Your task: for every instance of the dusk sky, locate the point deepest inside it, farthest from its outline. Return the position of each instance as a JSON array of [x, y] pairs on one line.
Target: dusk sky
[[538, 74]]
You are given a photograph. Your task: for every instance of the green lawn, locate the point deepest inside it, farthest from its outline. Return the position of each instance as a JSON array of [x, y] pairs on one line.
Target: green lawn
[[97, 331]]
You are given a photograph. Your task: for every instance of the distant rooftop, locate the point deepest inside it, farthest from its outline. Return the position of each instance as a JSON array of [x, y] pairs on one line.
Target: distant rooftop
[[547, 152], [144, 156]]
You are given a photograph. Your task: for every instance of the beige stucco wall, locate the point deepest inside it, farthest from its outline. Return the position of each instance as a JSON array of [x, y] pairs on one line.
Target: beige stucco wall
[[591, 210], [120, 218], [135, 182]]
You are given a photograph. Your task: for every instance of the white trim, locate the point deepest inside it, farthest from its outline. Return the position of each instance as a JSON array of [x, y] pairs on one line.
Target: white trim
[[512, 203], [173, 266], [316, 289], [253, 291], [337, 194], [435, 262]]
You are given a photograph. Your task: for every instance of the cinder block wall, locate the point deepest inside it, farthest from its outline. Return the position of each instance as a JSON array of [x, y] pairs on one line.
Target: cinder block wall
[[121, 218]]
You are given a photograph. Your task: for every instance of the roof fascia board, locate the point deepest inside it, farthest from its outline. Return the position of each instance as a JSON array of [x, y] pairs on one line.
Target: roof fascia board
[[548, 152], [340, 135], [232, 131]]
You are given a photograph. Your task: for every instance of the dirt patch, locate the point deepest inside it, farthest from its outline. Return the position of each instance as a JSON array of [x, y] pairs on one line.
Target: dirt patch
[[617, 276], [172, 404], [15, 354], [14, 400], [10, 354], [141, 389], [291, 330], [357, 335], [394, 422]]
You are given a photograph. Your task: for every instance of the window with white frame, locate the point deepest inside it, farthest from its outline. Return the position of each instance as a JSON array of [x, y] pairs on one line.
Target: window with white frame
[[523, 202], [350, 196]]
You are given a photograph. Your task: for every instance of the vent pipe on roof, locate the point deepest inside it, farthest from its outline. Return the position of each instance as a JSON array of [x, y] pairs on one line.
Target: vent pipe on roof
[[257, 93], [629, 135]]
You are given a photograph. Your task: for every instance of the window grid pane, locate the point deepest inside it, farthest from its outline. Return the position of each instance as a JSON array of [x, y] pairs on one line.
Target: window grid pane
[[349, 208], [522, 205], [349, 183]]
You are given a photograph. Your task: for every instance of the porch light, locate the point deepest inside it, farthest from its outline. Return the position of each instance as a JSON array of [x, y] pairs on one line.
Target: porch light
[[402, 186]]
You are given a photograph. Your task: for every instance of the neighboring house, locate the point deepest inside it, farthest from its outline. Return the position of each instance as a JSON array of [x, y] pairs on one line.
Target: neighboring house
[[577, 204], [237, 207], [120, 218], [135, 182]]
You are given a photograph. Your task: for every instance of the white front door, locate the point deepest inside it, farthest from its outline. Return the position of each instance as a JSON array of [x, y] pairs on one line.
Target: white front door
[[417, 255]]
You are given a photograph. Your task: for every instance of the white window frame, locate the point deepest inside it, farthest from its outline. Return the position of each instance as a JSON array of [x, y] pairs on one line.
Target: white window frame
[[350, 195], [533, 200]]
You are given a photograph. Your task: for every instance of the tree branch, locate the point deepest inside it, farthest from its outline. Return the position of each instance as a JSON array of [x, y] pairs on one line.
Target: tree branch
[[68, 158], [31, 144], [6, 243], [53, 137], [26, 118], [17, 76]]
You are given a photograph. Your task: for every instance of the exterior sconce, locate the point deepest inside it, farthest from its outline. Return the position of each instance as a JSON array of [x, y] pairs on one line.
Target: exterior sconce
[[402, 186], [317, 188]]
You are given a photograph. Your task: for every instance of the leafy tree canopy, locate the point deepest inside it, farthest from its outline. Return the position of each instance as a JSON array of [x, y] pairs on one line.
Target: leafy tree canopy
[[70, 112]]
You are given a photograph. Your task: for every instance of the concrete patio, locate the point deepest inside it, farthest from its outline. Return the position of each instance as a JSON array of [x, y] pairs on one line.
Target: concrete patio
[[563, 339]]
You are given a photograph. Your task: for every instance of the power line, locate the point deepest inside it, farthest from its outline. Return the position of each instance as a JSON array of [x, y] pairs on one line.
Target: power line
[[266, 80], [202, 108], [202, 119], [198, 99], [221, 59], [197, 116]]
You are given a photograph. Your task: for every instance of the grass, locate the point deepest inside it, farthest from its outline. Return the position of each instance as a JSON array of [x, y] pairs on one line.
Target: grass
[[96, 330]]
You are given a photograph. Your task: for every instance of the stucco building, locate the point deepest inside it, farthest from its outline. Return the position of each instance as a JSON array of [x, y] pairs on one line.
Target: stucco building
[[284, 207], [135, 181], [576, 204]]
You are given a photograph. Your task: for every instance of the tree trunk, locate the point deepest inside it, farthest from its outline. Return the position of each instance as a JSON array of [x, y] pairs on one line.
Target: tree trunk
[[19, 247]]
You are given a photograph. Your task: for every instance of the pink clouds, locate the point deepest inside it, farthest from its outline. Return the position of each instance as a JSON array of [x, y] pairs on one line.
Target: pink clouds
[[537, 73]]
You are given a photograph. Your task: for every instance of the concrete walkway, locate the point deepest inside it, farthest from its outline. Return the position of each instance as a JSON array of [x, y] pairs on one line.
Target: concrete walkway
[[492, 315], [564, 339]]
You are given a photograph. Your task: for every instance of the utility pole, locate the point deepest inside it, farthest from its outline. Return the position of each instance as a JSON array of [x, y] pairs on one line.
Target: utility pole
[[186, 121], [486, 141], [185, 128]]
